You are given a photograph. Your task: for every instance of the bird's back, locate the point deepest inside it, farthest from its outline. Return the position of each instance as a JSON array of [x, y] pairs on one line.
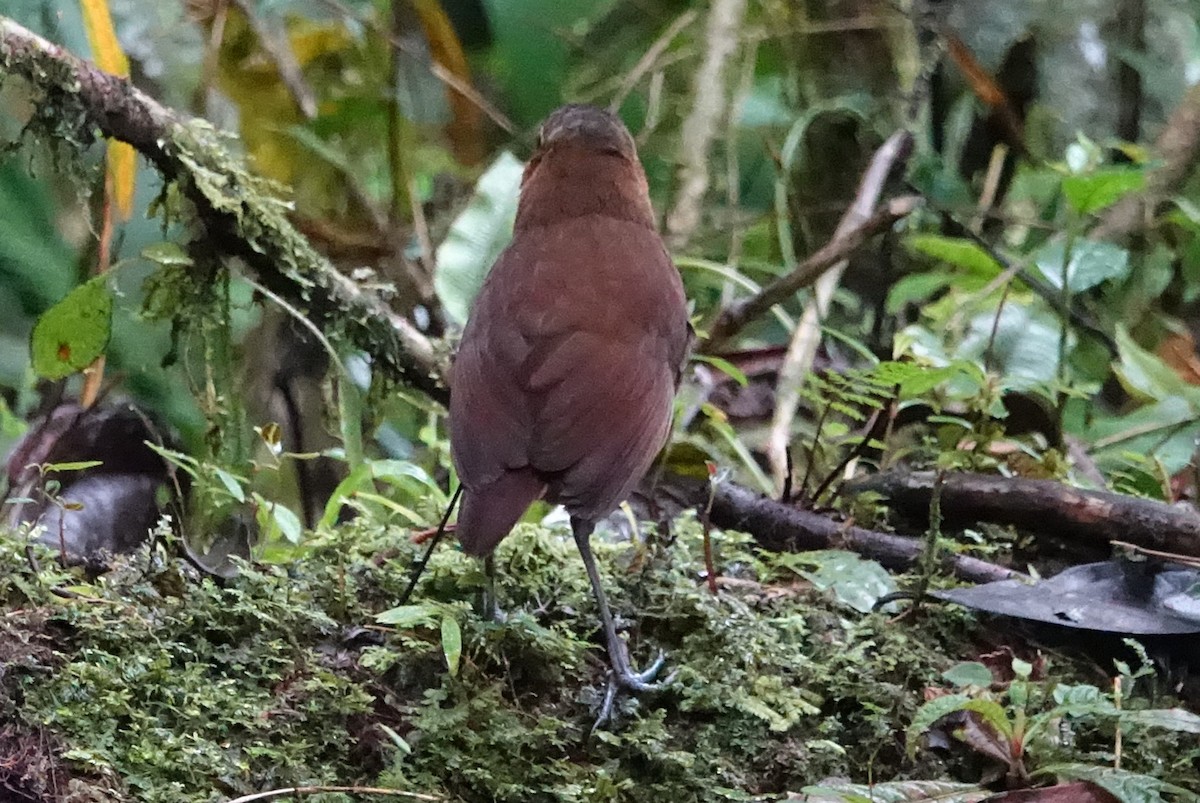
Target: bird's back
[[564, 380]]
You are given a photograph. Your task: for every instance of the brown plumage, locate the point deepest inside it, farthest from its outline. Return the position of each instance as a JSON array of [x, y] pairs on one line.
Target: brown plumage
[[563, 384]]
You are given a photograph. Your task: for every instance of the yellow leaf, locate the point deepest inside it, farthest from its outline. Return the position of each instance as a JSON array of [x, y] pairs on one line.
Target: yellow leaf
[[466, 129], [122, 173], [108, 55], [106, 50]]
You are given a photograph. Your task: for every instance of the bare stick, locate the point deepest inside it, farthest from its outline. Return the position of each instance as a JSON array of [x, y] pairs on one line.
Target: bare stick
[[300, 791], [651, 57], [700, 128], [735, 317], [802, 348]]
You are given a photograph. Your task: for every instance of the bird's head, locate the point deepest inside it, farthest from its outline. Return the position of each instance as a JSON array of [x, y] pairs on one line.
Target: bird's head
[[585, 162]]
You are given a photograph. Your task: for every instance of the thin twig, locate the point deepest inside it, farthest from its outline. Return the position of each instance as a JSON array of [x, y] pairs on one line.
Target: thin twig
[[419, 566], [802, 348], [651, 56], [735, 317], [279, 49]]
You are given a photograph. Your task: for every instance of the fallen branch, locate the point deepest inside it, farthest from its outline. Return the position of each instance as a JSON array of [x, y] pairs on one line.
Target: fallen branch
[[238, 215], [782, 528], [1043, 506], [735, 317]]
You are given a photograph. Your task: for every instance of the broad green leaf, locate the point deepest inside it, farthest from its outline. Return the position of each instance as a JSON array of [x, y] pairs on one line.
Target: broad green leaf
[[274, 518], [1082, 700], [451, 642], [408, 616], [917, 287], [1102, 188], [1173, 719], [1091, 263], [477, 236], [232, 484], [74, 332], [355, 480], [969, 673], [963, 253], [287, 522], [854, 581], [1128, 787], [1143, 374], [1024, 344]]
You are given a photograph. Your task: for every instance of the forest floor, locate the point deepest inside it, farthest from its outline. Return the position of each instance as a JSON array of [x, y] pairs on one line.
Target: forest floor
[[152, 683]]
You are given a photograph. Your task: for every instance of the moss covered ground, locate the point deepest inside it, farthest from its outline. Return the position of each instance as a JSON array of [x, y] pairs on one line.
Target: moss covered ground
[[153, 684]]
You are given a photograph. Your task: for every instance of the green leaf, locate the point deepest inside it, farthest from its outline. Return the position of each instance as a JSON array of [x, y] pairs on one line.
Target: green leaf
[[1128, 787], [1082, 700], [928, 714], [917, 287], [891, 792], [287, 522], [1024, 347], [78, 465], [1091, 263], [167, 255], [1143, 374], [1173, 719], [409, 616], [956, 251], [1102, 188], [273, 517], [355, 480], [854, 581], [74, 332], [232, 484], [724, 366], [969, 673], [477, 236], [451, 642]]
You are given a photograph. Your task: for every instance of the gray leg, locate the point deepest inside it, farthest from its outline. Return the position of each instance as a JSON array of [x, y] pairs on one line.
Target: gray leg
[[491, 605], [618, 656]]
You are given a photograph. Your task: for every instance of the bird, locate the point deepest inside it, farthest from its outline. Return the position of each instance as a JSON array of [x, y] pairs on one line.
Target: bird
[[564, 381]]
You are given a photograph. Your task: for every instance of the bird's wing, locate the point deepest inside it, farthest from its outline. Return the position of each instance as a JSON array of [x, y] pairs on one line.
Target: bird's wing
[[490, 421], [603, 413]]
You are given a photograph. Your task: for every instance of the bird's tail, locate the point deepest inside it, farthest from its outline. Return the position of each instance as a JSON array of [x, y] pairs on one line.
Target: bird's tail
[[490, 511]]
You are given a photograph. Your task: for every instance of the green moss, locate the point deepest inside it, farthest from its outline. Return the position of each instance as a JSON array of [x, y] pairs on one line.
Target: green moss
[[187, 690]]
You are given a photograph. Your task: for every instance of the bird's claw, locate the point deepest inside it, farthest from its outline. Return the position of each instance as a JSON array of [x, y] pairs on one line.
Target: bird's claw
[[624, 678], [631, 681]]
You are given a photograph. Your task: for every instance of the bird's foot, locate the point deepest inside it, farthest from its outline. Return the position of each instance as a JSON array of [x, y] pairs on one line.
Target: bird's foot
[[627, 679], [623, 678]]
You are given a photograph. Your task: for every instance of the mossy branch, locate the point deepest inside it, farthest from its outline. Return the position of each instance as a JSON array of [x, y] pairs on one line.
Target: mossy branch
[[237, 213]]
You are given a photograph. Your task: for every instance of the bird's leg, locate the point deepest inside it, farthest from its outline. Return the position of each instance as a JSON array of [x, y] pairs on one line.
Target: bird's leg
[[491, 606], [618, 655]]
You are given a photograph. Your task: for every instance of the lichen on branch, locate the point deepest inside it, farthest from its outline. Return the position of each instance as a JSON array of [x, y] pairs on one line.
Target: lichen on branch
[[238, 214]]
